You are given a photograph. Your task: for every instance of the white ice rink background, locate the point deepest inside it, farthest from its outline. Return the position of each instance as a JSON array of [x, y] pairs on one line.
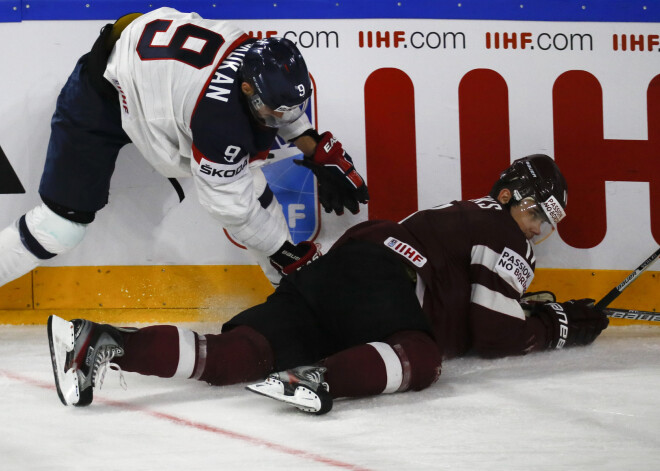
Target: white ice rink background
[[594, 409]]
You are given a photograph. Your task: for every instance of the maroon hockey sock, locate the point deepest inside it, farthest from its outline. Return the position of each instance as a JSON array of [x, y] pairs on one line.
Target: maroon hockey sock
[[152, 350], [355, 372], [240, 355], [420, 357]]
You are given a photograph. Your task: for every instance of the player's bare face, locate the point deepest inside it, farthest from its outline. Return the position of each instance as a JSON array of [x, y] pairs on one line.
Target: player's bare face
[[529, 220]]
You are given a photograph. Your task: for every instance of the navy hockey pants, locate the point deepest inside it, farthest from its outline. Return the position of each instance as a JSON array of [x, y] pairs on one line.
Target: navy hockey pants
[[85, 140]]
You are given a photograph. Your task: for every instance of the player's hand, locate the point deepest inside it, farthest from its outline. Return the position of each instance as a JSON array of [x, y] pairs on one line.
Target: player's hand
[[575, 322], [340, 185], [530, 300], [535, 297], [290, 258]]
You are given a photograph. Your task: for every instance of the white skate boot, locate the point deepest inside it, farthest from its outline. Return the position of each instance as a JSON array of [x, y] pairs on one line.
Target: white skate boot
[[302, 387]]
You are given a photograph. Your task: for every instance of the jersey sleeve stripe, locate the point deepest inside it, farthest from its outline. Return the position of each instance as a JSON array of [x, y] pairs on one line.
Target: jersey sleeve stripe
[[496, 301], [197, 154], [487, 257], [509, 266], [492, 280]]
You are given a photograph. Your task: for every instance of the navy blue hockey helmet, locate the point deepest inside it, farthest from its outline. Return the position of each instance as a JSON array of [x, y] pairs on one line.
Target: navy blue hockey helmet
[[278, 74], [537, 184]]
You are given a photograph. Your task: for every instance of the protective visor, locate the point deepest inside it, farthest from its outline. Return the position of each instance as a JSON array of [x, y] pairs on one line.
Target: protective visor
[[279, 117], [543, 216]]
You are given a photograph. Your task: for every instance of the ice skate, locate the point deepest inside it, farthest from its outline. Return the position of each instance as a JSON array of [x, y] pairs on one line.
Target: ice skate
[[81, 351], [302, 387]]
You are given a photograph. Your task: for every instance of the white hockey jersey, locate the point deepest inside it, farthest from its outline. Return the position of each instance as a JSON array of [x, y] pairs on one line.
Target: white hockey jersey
[[177, 78]]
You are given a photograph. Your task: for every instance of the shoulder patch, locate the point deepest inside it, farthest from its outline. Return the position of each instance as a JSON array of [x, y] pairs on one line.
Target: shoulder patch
[[406, 250], [514, 269]]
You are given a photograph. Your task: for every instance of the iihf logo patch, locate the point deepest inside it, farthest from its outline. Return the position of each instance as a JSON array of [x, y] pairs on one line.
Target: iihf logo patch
[[406, 250]]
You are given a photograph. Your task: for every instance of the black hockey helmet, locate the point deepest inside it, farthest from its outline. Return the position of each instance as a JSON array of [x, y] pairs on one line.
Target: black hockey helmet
[[536, 177], [277, 71]]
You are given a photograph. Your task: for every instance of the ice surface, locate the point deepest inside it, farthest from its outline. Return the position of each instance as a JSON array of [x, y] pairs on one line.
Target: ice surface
[[594, 408]]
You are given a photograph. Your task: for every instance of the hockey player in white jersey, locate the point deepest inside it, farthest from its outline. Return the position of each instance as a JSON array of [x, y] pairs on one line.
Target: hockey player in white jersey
[[198, 98]]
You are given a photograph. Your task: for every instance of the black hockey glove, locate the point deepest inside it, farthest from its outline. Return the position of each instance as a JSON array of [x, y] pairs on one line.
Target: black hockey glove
[[575, 322], [290, 258], [340, 185]]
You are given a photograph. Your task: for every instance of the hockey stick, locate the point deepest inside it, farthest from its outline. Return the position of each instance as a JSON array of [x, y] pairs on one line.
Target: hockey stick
[[633, 315], [617, 290]]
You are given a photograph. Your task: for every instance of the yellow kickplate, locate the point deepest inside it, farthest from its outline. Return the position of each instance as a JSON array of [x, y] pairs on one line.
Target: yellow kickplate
[[17, 294], [141, 287], [643, 294], [134, 293], [156, 294]]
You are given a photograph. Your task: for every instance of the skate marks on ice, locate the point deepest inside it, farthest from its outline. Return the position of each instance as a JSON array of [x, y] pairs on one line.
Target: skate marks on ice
[[585, 408], [182, 422]]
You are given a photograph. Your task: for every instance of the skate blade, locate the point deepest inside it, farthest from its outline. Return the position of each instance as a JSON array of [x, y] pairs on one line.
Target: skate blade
[[304, 399], [61, 341]]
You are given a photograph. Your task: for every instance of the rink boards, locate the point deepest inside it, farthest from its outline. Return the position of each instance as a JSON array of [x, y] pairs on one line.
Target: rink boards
[[157, 294], [431, 108]]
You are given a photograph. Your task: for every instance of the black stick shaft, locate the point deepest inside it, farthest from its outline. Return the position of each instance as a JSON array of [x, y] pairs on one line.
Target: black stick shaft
[[633, 315], [616, 291]]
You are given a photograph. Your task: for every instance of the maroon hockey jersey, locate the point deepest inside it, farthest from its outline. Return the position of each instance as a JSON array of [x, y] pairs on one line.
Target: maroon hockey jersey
[[473, 264]]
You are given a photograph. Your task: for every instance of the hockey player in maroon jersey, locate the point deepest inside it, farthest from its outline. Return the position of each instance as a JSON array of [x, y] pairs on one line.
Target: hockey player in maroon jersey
[[198, 98], [377, 314]]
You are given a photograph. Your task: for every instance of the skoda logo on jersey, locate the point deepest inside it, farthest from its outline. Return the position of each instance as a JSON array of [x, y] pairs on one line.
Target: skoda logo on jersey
[[221, 173]]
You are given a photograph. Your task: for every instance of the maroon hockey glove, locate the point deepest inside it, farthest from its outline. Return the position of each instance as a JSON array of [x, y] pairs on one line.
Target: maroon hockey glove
[[340, 185], [575, 322], [290, 258]]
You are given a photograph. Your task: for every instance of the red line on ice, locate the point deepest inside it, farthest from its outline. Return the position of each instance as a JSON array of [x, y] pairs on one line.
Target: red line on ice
[[199, 426]]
